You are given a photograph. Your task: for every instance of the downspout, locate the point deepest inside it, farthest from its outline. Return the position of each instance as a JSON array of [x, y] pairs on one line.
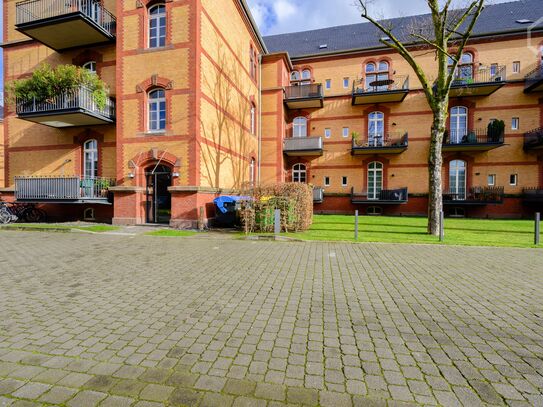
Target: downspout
[[259, 118]]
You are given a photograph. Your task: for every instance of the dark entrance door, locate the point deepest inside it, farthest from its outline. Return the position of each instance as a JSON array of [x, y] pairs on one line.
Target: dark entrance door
[[159, 200]]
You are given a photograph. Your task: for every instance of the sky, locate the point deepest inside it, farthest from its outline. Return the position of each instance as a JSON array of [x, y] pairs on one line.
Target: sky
[[283, 16]]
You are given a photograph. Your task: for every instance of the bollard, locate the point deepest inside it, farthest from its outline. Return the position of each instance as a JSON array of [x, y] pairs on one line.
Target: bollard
[[537, 228], [356, 225], [277, 222], [441, 226]]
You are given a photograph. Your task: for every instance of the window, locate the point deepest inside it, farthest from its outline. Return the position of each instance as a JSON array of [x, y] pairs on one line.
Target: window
[[513, 179], [457, 179], [157, 26], [346, 83], [375, 180], [376, 129], [253, 62], [327, 133], [345, 132], [493, 70], [491, 180], [515, 123], [516, 67], [374, 210], [157, 110], [294, 76], [299, 173], [328, 83], [459, 124], [375, 74], [344, 181], [253, 119], [252, 171], [306, 77], [90, 159], [90, 66], [464, 69], [327, 181], [299, 127]]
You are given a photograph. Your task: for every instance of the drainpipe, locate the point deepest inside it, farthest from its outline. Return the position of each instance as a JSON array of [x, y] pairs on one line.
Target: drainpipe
[[259, 117]]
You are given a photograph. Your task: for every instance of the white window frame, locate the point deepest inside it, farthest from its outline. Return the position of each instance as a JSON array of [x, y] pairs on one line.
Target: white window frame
[[491, 180], [154, 105], [513, 179], [456, 132], [375, 173], [90, 66], [459, 189], [376, 121], [252, 174], [326, 181], [160, 19], [253, 119], [327, 132], [299, 173], [346, 82], [345, 132], [344, 181], [90, 155], [515, 123], [299, 127], [328, 84], [516, 67]]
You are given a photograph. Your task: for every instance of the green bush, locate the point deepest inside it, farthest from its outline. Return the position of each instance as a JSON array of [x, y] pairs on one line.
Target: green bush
[[47, 82]]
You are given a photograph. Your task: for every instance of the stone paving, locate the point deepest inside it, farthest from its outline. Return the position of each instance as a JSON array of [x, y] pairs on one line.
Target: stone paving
[[146, 321]]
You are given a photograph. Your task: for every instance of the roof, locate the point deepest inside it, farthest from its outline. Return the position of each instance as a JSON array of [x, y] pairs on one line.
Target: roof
[[495, 19]]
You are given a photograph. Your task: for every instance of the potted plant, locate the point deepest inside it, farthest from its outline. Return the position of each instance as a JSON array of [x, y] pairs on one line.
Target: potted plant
[[495, 130], [103, 185]]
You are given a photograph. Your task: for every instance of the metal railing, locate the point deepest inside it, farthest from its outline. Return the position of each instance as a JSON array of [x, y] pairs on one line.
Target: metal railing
[[475, 194], [79, 98], [307, 91], [481, 74], [34, 10], [385, 195], [61, 188], [534, 77], [302, 143], [532, 194], [476, 136], [391, 140], [533, 138], [318, 194], [395, 83]]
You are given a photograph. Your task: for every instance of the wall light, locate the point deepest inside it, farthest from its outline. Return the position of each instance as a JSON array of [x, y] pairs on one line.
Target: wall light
[[175, 174], [131, 175]]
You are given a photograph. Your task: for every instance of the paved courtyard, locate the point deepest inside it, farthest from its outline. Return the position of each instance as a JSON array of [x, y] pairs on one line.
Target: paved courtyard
[[117, 320]]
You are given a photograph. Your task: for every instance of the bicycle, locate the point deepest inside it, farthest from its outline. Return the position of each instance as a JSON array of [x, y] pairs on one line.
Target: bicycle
[[6, 214], [27, 212]]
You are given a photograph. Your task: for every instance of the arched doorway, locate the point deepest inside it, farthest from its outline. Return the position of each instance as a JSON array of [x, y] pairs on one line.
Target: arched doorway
[[158, 198]]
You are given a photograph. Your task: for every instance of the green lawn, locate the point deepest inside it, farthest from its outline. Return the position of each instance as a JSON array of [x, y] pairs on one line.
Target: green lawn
[[52, 226], [98, 228], [472, 232], [172, 233]]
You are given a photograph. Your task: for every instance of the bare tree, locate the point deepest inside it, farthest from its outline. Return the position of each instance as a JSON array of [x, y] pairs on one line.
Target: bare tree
[[446, 34]]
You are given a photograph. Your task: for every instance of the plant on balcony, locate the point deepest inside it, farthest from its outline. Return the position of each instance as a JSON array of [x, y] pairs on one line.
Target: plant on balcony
[[495, 130], [46, 83]]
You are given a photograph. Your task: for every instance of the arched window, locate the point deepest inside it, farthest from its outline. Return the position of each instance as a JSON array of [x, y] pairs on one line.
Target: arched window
[[299, 127], [90, 66], [252, 174], [457, 179], [253, 119], [459, 124], [90, 159], [306, 77], [294, 76], [157, 26], [157, 110], [299, 173], [375, 179], [376, 74], [376, 129], [464, 69]]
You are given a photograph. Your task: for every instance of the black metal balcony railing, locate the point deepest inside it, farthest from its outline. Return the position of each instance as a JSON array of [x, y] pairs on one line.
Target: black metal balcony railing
[[532, 195], [399, 195], [77, 99], [318, 195], [30, 11], [475, 195], [533, 139], [380, 140], [307, 91], [534, 80], [473, 137], [480, 75], [385, 85], [43, 189]]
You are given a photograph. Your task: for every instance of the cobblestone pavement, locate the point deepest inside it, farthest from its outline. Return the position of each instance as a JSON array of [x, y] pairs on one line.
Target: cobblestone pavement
[[116, 321]]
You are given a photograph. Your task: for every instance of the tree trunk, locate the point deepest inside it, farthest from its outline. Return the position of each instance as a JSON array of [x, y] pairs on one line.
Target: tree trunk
[[435, 164]]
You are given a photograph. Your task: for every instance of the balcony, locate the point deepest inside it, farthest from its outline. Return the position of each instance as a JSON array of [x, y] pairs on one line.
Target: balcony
[[484, 82], [69, 109], [474, 196], [380, 91], [533, 140], [472, 140], [318, 195], [62, 189], [534, 80], [532, 195], [65, 24], [384, 197], [390, 143], [302, 146], [304, 96]]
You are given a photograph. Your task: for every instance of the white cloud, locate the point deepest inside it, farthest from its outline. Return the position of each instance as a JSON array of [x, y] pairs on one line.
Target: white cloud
[[284, 10]]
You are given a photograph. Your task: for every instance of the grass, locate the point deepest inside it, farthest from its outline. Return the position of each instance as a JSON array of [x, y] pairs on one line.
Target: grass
[[470, 232], [97, 228], [49, 226], [172, 233]]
